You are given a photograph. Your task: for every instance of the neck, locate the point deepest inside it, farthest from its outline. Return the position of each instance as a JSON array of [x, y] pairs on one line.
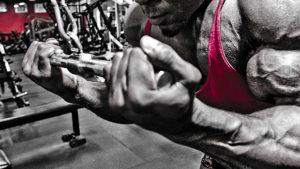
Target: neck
[[195, 21]]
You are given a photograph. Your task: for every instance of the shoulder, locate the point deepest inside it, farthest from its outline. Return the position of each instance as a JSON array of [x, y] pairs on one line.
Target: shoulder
[[271, 21], [135, 21]]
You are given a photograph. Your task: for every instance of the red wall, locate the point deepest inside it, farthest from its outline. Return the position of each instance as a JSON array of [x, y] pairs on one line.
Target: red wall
[[15, 21]]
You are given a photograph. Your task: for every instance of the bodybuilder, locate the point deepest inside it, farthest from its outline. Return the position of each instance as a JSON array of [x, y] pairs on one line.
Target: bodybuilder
[[236, 78]]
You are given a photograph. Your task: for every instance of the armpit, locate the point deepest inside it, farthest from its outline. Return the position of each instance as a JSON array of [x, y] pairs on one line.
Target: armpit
[[275, 75]]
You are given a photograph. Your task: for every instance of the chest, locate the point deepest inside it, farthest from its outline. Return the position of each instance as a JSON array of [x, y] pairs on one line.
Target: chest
[[234, 38], [192, 44]]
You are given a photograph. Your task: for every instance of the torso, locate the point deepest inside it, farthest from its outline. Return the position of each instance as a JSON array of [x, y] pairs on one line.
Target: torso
[[235, 48]]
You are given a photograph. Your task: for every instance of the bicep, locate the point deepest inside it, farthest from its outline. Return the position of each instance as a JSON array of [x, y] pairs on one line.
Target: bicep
[[275, 75], [273, 22]]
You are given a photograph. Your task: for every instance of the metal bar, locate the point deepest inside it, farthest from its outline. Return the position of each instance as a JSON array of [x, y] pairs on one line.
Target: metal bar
[[118, 26], [73, 33], [26, 115], [59, 21], [80, 64], [75, 121], [106, 23]]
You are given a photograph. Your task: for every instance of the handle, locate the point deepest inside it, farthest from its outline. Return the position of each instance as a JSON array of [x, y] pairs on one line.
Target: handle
[[80, 64]]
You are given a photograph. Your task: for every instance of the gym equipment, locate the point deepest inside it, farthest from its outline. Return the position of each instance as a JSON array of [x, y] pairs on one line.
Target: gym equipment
[[90, 35], [96, 41], [13, 80], [26, 115], [40, 28], [13, 42], [70, 35], [82, 63], [77, 61], [85, 63], [4, 162]]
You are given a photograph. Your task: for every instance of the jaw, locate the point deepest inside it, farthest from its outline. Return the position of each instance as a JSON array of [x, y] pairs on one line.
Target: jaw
[[172, 29], [169, 32]]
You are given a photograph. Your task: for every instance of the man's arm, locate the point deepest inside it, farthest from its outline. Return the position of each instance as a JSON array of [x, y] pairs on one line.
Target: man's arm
[[268, 138], [265, 139], [74, 88], [274, 75], [93, 96], [272, 23], [71, 87]]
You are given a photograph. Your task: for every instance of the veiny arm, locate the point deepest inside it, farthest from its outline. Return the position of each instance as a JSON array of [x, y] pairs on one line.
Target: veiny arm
[[269, 138], [266, 139]]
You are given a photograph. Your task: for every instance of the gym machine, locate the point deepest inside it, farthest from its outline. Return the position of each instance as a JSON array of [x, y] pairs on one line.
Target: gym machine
[[13, 42], [77, 61], [40, 28]]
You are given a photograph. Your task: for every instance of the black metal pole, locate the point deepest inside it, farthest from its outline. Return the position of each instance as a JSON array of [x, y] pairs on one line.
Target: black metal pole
[[75, 120]]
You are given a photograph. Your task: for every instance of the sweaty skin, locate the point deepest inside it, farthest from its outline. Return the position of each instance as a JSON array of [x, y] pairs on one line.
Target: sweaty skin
[[261, 40]]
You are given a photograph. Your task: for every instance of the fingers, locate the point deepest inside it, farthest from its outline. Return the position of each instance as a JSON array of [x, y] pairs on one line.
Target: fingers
[[29, 57], [52, 41], [36, 61], [133, 85], [140, 70], [141, 79], [169, 102], [166, 58], [41, 61], [118, 81]]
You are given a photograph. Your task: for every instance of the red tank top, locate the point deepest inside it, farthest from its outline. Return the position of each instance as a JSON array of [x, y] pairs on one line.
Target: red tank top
[[225, 88]]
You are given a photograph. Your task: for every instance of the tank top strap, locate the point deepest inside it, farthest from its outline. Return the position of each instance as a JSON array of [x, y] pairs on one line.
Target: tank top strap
[[216, 53], [148, 28]]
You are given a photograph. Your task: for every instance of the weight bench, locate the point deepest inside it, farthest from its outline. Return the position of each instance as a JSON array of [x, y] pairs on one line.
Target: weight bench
[[26, 115]]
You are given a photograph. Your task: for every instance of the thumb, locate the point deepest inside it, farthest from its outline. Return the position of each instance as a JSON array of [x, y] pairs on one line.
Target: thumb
[[52, 41], [165, 57]]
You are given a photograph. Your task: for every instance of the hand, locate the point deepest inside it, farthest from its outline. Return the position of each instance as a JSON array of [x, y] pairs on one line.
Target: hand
[[134, 93], [36, 65]]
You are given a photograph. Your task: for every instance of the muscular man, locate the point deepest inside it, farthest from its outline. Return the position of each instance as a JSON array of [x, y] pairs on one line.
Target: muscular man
[[244, 113]]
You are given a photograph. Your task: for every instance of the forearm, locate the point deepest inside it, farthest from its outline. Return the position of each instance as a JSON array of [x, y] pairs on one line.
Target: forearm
[[93, 96], [267, 139]]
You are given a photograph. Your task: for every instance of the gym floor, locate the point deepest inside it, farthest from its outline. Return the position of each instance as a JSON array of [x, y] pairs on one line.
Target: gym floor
[[109, 146]]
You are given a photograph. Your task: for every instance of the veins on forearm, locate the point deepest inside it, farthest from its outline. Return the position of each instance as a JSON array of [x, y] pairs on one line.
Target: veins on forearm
[[266, 138]]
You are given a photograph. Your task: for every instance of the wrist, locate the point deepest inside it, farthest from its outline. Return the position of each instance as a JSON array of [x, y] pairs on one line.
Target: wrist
[[72, 85]]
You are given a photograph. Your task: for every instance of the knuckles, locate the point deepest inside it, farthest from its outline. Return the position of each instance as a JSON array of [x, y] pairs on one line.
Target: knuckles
[[116, 105], [27, 70], [192, 76], [139, 99], [44, 50], [195, 76], [166, 52]]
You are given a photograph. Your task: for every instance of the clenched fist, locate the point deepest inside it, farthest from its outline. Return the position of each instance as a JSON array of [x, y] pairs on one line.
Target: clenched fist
[[134, 92], [36, 65]]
